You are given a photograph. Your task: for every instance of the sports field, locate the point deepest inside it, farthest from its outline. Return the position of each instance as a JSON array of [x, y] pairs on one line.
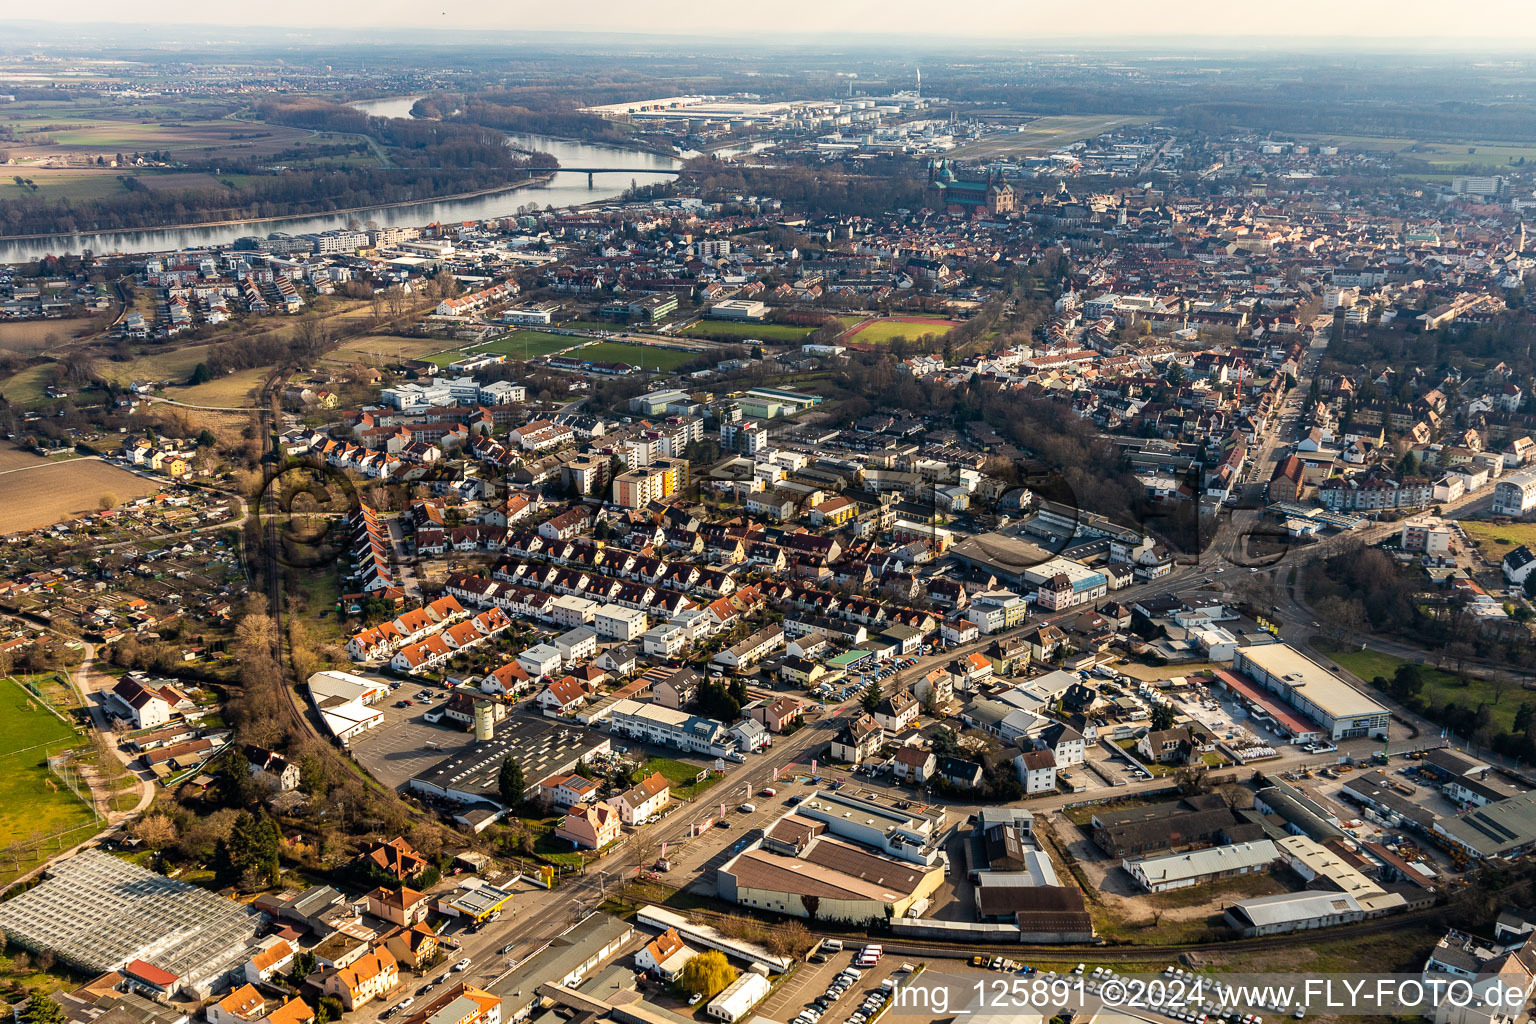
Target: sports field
[[651, 357], [384, 350], [34, 805], [883, 332], [47, 494], [731, 330], [1045, 134], [530, 344]]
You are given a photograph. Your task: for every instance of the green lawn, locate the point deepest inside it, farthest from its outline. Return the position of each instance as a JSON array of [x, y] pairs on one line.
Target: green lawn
[[1496, 540], [557, 851], [34, 806], [731, 330], [1440, 687], [679, 773], [84, 184], [649, 356], [29, 387]]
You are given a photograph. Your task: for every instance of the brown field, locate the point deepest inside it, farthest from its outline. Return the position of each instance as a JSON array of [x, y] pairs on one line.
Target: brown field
[[179, 182], [169, 364], [29, 336], [233, 389], [382, 351], [32, 498], [15, 458]]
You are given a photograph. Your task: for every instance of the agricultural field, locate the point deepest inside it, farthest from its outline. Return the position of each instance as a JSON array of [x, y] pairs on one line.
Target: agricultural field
[[1044, 134], [53, 183], [732, 330], [1488, 155], [651, 357], [35, 807], [16, 458], [883, 332], [29, 336], [194, 138], [34, 497]]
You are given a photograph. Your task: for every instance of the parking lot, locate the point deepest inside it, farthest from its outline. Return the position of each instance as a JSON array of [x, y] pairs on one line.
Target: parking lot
[[1227, 719], [811, 981], [403, 745]]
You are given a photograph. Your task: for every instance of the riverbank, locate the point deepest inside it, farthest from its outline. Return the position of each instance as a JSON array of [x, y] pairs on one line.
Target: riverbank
[[532, 181]]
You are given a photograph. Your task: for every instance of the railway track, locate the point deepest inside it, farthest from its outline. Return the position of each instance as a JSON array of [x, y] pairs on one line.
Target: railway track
[[1121, 953]]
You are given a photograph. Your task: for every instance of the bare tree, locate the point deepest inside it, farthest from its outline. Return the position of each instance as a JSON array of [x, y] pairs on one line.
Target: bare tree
[[156, 831]]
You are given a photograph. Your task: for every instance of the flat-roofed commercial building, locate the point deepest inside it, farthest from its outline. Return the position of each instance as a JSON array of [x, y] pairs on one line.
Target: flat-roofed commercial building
[[461, 1004], [543, 748], [342, 700], [1293, 912], [738, 309], [566, 960], [1343, 711], [739, 997], [909, 835], [656, 724]]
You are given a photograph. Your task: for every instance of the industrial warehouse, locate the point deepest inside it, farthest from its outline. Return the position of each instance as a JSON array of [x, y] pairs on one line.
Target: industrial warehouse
[[798, 869], [543, 748], [1342, 711]]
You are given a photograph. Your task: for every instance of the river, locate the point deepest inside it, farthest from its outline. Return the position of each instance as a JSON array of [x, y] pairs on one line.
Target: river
[[567, 189]]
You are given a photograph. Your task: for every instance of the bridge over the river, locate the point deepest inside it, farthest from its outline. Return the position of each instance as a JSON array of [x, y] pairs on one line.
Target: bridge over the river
[[591, 171]]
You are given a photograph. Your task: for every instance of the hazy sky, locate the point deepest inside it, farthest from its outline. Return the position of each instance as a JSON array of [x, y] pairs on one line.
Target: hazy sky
[[996, 20]]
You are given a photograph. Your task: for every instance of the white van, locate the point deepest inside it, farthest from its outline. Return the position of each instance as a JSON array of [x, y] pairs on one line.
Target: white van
[[831, 945], [748, 808]]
